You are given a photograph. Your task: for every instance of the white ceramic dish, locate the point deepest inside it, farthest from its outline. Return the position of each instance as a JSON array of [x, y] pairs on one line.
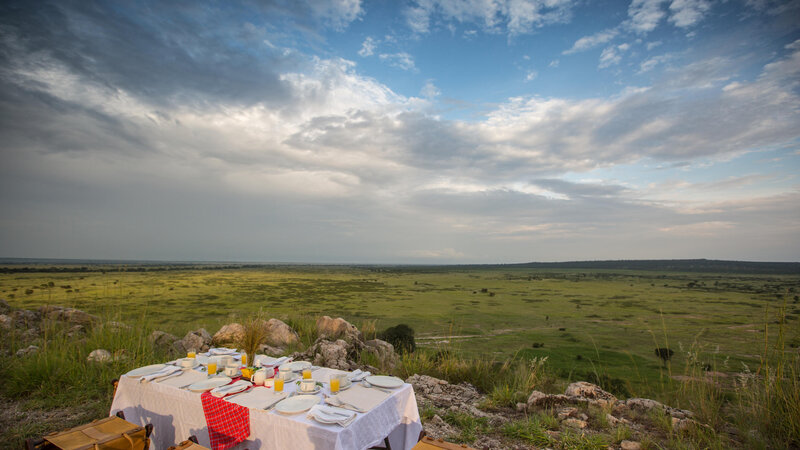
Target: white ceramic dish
[[209, 384], [323, 417], [239, 386], [146, 370], [296, 404], [384, 381], [298, 366], [316, 390], [194, 363]]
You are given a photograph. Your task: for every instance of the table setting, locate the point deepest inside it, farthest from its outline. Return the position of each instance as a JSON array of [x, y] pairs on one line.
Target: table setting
[[277, 403]]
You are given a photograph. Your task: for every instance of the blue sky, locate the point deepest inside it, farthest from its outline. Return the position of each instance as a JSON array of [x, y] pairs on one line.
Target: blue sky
[[421, 131]]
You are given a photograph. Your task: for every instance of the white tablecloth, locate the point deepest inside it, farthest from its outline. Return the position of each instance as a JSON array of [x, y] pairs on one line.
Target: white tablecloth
[[177, 414]]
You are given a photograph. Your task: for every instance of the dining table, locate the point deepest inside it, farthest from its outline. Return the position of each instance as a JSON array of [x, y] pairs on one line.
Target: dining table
[[177, 413]]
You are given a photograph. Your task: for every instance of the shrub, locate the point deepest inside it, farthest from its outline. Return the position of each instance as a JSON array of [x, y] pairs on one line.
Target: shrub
[[401, 336], [664, 353]]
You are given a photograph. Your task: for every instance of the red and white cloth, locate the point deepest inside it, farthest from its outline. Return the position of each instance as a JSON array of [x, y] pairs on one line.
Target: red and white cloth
[[228, 423]]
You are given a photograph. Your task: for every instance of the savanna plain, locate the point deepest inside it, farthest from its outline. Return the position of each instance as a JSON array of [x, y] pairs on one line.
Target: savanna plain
[[596, 325]]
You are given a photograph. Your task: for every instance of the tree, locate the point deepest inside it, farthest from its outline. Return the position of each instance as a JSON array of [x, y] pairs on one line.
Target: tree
[[401, 337], [665, 354]]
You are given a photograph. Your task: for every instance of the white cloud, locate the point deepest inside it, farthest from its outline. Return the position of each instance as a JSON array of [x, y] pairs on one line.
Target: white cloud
[[401, 60], [338, 13], [611, 55], [685, 13], [515, 16], [652, 45], [429, 90], [368, 47], [645, 15], [587, 42], [554, 63], [531, 75]]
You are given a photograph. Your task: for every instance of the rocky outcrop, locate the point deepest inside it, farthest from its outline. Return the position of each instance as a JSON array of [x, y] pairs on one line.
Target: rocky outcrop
[[30, 350], [100, 356], [333, 354], [279, 334], [69, 315], [647, 405], [162, 339], [590, 392], [228, 335], [329, 328], [384, 352], [195, 341]]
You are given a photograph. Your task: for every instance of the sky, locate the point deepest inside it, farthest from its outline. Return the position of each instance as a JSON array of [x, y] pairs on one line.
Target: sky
[[421, 131]]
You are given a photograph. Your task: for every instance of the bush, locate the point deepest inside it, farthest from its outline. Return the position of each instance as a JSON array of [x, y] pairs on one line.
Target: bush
[[401, 336]]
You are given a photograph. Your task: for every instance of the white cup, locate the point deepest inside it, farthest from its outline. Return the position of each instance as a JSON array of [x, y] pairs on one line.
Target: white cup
[[285, 372], [308, 385], [259, 377], [232, 370], [187, 362]]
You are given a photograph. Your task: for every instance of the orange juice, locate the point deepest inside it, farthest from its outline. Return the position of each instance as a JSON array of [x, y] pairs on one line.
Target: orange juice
[[335, 384], [278, 384], [244, 359], [307, 374], [212, 368], [191, 354]]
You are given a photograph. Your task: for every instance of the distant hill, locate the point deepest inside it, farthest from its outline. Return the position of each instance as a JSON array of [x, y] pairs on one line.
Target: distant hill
[[674, 265]]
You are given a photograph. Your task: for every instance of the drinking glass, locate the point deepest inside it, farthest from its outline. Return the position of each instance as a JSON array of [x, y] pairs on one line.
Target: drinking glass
[[335, 381], [307, 374], [212, 368], [191, 354], [244, 359], [278, 384]]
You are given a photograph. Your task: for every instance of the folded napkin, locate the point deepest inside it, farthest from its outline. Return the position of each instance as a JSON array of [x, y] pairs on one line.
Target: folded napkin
[[358, 398], [237, 386], [258, 398], [221, 351], [228, 423], [357, 375], [326, 414], [187, 377], [268, 361], [165, 372]]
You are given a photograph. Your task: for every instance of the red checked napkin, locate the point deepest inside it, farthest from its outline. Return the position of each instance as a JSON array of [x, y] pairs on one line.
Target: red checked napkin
[[228, 423]]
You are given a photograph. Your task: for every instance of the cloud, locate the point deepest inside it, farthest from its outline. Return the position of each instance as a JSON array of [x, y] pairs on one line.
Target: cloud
[[587, 42], [337, 14], [645, 15], [401, 60], [686, 13], [531, 75], [612, 55], [515, 17], [368, 47], [429, 90]]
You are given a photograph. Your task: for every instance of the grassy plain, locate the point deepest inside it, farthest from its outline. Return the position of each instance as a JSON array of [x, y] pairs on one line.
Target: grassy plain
[[599, 323]]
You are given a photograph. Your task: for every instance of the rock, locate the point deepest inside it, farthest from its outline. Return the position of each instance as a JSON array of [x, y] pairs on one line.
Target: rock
[[229, 335], [69, 315], [613, 421], [575, 423], [162, 339], [646, 405], [121, 354], [630, 445], [6, 322], [337, 328], [331, 354], [100, 355], [4, 307], [24, 318], [30, 350], [279, 334], [198, 341], [682, 424], [269, 350], [564, 413], [540, 399], [441, 394], [116, 327], [591, 392], [384, 352], [75, 330], [436, 428], [521, 407]]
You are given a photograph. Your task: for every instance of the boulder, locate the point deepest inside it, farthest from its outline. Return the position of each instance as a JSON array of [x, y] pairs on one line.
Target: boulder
[[331, 354], [540, 400], [162, 339], [229, 335], [647, 405], [279, 334], [630, 445], [75, 331], [69, 315], [575, 423], [4, 307], [116, 327], [441, 394], [24, 318], [6, 322], [198, 341], [591, 392], [337, 328], [384, 352], [437, 428], [30, 350], [269, 350], [100, 355]]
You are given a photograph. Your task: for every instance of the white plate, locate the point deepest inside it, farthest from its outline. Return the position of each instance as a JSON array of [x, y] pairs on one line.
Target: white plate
[[323, 417], [195, 363], [384, 381], [298, 366], [146, 370], [296, 404], [238, 386], [315, 391], [209, 384]]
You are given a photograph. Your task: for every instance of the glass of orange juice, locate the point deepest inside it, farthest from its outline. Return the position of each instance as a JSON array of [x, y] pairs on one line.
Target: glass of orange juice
[[278, 384], [191, 354], [335, 382], [212, 368], [307, 374], [244, 359]]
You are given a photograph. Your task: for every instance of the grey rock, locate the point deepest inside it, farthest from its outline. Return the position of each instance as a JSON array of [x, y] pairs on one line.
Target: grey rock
[[384, 352], [6, 322], [162, 339], [116, 327], [75, 331], [331, 354], [24, 318], [230, 334], [198, 341], [646, 405], [437, 428], [269, 350], [630, 445], [575, 423], [591, 392], [279, 334], [69, 315], [100, 355], [337, 328], [30, 350], [4, 307]]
